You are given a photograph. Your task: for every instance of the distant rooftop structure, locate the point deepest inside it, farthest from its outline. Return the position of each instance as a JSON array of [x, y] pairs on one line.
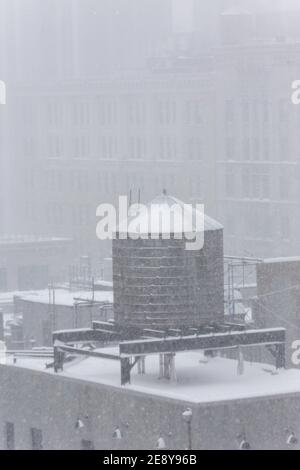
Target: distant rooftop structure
[[30, 262], [29, 239], [288, 259], [65, 297]]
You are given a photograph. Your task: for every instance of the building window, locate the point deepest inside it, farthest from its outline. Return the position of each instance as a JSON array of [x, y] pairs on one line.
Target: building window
[[54, 214], [266, 146], [283, 111], [266, 111], [107, 112], [246, 145], [29, 146], [284, 186], [10, 436], [167, 112], [81, 114], [109, 147], [246, 111], [27, 114], [230, 148], [231, 225], [167, 148], [194, 149], [265, 190], [230, 184], [137, 112], [194, 113], [81, 215], [87, 445], [137, 148], [284, 149], [55, 146], [246, 184], [3, 280], [256, 107], [36, 439], [229, 111], [53, 180], [256, 186], [256, 149], [285, 227], [261, 188], [55, 114], [82, 146]]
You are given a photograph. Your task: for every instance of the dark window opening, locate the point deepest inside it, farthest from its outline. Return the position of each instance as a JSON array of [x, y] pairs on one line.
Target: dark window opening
[[10, 436], [87, 445], [36, 439]]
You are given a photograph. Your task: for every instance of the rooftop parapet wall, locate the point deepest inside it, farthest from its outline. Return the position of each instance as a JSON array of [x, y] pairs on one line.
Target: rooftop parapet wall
[[53, 404]]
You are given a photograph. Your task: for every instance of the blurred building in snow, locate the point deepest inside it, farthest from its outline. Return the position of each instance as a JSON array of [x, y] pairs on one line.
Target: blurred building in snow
[[278, 298], [29, 262], [258, 148], [220, 129], [85, 143], [45, 311], [60, 39], [211, 124]]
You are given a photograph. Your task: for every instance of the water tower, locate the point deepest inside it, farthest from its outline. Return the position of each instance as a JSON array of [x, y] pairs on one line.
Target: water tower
[[159, 283]]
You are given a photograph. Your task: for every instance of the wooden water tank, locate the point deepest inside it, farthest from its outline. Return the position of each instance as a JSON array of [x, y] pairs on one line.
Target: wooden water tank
[[160, 283]]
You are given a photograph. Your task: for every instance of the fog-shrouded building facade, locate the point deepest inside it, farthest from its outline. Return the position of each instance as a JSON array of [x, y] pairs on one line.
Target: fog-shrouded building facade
[[81, 144], [227, 138], [258, 148], [61, 39], [216, 127]]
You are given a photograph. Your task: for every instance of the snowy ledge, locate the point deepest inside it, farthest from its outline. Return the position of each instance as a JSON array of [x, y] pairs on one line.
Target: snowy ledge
[[199, 380]]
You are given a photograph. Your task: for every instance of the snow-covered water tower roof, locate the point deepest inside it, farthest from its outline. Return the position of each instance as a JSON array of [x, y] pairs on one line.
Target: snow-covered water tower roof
[[159, 210]]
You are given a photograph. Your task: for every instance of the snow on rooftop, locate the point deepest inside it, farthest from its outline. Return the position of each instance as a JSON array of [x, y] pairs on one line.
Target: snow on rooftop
[[156, 215], [290, 259], [21, 239], [199, 380], [66, 297], [8, 297], [103, 283]]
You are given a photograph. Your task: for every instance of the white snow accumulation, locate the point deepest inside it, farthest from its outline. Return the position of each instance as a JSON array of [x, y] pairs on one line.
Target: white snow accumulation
[[199, 380], [65, 297]]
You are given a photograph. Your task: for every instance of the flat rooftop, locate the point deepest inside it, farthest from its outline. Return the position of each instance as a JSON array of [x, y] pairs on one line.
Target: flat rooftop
[[287, 259], [199, 380], [65, 297], [29, 239]]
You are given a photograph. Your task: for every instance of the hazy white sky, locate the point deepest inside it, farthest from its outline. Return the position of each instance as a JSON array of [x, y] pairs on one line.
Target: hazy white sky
[[183, 15]]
